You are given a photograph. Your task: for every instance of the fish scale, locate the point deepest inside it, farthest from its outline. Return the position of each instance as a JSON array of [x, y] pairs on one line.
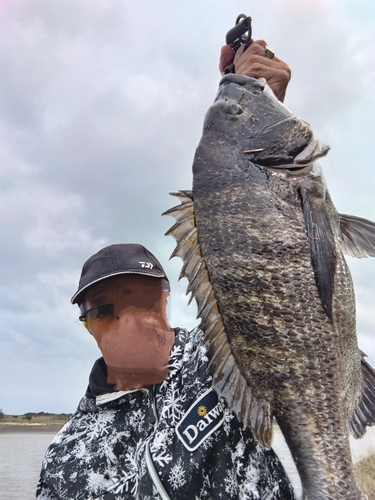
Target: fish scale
[[262, 247]]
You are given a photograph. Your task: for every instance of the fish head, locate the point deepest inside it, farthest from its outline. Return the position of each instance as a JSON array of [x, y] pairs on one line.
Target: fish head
[[247, 113]]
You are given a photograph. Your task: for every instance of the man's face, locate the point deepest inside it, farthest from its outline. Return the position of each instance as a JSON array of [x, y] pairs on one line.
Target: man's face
[[126, 315], [127, 292]]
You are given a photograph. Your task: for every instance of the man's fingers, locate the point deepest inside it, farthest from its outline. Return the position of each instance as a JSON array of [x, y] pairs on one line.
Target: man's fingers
[[256, 48], [253, 62], [226, 57]]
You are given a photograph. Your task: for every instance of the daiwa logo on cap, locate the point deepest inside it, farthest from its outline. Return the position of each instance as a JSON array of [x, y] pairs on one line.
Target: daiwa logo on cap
[[147, 265], [201, 420]]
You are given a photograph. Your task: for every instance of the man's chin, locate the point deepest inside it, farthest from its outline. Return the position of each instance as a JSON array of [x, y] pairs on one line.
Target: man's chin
[[129, 379]]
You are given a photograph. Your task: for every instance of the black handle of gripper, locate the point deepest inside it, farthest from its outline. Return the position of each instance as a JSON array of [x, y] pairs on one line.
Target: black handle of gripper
[[237, 36]]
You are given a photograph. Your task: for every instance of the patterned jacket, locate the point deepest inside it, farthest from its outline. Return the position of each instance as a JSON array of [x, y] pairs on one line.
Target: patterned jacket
[[176, 441]]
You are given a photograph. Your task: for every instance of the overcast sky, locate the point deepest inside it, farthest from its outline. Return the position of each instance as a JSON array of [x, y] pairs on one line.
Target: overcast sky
[[102, 104]]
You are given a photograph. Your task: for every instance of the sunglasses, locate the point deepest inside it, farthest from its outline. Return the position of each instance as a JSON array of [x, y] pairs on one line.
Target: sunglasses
[[97, 313]]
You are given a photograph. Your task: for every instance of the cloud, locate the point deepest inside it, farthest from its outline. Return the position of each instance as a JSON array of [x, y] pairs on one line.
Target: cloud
[[101, 107]]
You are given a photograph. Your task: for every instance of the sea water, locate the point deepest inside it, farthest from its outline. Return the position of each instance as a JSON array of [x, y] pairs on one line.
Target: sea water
[[21, 458]]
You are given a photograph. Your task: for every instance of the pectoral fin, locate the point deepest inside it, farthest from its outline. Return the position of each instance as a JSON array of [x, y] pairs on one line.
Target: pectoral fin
[[322, 250], [364, 414], [358, 236]]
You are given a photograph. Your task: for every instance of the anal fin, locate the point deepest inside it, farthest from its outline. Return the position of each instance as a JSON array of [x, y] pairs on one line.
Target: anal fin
[[364, 414]]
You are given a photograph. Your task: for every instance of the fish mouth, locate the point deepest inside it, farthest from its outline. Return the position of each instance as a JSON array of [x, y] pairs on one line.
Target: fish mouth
[[314, 150], [302, 162], [292, 171]]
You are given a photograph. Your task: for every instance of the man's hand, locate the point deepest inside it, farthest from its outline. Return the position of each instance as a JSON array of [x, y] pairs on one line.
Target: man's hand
[[253, 62]]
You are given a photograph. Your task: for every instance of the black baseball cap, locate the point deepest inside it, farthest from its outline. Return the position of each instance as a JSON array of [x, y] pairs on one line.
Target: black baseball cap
[[124, 258]]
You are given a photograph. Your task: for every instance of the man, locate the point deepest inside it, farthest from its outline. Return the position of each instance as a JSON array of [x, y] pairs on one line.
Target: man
[[150, 425]]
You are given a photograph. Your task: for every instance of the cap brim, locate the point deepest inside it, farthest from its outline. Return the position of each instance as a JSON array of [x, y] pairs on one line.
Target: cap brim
[[74, 300]]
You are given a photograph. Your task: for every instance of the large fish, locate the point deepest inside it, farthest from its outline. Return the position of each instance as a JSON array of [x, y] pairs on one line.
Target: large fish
[[262, 247]]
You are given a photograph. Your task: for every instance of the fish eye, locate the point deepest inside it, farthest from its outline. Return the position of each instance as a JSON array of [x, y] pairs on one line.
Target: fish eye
[[233, 109]]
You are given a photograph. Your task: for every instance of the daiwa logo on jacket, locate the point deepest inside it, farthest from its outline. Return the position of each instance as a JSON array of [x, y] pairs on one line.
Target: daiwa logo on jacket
[[201, 420]]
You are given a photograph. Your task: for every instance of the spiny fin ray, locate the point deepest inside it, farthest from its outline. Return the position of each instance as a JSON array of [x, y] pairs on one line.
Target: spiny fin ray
[[184, 245], [180, 211], [196, 282], [181, 227], [192, 262]]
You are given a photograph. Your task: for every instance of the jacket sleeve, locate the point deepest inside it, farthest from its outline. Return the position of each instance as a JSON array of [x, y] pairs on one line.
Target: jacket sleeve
[[43, 492]]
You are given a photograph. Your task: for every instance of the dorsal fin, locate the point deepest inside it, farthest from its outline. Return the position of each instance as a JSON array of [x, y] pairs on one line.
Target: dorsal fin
[[358, 236], [228, 380]]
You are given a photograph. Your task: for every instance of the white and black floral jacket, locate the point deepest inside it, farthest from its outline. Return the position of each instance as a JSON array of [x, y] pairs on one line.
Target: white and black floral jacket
[[176, 441]]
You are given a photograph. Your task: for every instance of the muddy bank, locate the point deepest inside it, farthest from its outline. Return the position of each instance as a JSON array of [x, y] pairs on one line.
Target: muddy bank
[[29, 428]]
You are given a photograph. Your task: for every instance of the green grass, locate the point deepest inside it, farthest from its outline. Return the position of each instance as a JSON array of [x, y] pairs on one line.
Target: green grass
[[365, 473], [35, 418]]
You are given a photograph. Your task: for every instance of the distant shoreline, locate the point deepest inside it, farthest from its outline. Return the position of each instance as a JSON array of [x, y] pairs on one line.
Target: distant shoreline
[[11, 428]]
